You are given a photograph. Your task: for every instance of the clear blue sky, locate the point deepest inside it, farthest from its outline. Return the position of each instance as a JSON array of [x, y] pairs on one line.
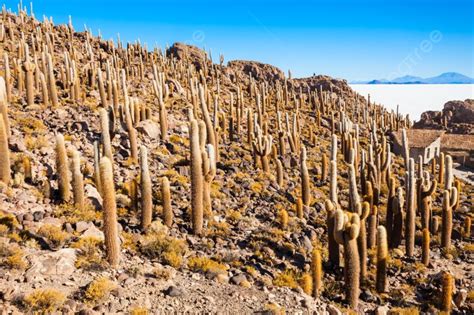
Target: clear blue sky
[[347, 39]]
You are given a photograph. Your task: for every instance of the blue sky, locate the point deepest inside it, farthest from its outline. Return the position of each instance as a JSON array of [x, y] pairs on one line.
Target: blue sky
[[346, 39]]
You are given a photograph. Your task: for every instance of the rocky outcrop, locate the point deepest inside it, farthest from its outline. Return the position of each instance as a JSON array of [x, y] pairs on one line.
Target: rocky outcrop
[[259, 71], [326, 83], [456, 117], [195, 55]]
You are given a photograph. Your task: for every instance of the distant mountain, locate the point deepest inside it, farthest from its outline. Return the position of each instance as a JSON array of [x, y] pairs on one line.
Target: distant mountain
[[444, 78]]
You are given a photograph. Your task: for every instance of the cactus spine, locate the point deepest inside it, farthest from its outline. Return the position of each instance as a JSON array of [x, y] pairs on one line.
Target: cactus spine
[[382, 256], [145, 186], [168, 215], [112, 244], [62, 169], [346, 232]]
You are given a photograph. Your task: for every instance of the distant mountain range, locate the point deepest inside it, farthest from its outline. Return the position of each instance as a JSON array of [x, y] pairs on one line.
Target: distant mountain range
[[444, 78]]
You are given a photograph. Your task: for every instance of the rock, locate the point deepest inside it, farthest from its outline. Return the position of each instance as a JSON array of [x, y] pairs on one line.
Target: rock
[[28, 217], [56, 263], [94, 196], [238, 279], [460, 298], [257, 70], [82, 226], [173, 291], [381, 310], [149, 128], [68, 228], [38, 215], [333, 310], [93, 232], [192, 53]]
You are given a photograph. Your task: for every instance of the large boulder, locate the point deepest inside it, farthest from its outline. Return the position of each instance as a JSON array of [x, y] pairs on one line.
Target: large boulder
[[456, 117], [195, 55]]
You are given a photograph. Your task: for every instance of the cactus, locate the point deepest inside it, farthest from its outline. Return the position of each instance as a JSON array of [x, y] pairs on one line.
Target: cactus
[[424, 199], [279, 167], [449, 200], [53, 94], [262, 146], [29, 67], [333, 246], [372, 223], [196, 178], [410, 209], [106, 141], [145, 186], [425, 248], [4, 107], [305, 188], [441, 168], [449, 176], [447, 282], [467, 226], [363, 211], [354, 199], [97, 180], [316, 272], [209, 172], [168, 215], [334, 147], [389, 214], [299, 208], [406, 149], [112, 244], [62, 166], [457, 184], [382, 256], [398, 219], [346, 232], [5, 175], [77, 182], [283, 219], [333, 182], [324, 167]]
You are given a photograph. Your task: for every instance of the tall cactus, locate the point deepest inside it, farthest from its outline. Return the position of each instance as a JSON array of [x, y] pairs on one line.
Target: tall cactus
[[362, 240], [77, 182], [62, 166], [382, 256], [166, 199], [406, 149], [209, 172], [346, 231], [305, 186], [316, 272], [262, 146], [196, 178], [324, 167], [425, 191], [398, 219], [146, 189], [106, 141], [333, 246], [112, 245], [449, 200], [5, 175], [279, 168], [425, 248], [410, 209], [333, 183]]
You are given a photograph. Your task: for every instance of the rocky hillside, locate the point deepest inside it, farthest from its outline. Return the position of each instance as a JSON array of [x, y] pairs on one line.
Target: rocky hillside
[[456, 117], [136, 182]]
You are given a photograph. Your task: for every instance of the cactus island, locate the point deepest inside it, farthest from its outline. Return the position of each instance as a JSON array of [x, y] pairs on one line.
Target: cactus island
[[139, 181]]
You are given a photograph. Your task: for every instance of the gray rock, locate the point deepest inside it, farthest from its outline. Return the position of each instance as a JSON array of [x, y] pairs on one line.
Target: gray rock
[[60, 262], [93, 232], [238, 279], [82, 226], [460, 297], [93, 195], [173, 291], [149, 128]]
